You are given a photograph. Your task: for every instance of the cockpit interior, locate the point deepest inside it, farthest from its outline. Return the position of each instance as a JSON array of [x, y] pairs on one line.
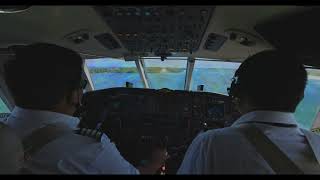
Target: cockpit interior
[[163, 71]]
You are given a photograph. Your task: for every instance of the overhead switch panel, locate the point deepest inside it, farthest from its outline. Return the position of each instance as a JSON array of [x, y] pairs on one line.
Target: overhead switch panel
[[158, 29]]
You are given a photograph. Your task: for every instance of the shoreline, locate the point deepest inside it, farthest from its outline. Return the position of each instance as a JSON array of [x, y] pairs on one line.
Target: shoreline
[[314, 77]]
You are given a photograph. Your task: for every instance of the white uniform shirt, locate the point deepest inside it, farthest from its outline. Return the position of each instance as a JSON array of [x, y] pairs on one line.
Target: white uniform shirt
[[71, 153], [226, 151]]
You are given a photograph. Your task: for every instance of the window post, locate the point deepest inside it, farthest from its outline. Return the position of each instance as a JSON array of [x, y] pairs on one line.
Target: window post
[[142, 73], [90, 86], [190, 65]]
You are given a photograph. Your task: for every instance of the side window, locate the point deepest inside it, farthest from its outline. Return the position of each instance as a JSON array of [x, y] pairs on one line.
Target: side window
[[4, 111], [3, 107], [308, 108]]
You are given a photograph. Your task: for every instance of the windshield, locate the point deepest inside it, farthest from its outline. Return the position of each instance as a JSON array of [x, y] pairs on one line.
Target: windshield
[[109, 72], [214, 75], [166, 74]]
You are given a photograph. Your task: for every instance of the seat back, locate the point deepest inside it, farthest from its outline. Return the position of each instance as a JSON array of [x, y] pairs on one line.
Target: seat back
[[11, 151]]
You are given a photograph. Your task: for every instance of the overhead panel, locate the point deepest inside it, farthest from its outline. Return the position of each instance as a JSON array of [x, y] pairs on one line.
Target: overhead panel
[[158, 29]]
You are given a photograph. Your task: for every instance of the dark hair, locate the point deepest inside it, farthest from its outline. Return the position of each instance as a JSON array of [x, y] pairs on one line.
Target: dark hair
[[40, 75], [272, 80]]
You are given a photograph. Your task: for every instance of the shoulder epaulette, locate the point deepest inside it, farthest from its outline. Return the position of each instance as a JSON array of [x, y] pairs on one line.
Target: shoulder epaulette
[[92, 133], [316, 130]]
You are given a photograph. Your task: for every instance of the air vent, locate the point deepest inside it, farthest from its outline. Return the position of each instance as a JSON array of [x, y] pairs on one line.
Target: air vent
[[108, 41], [214, 42], [243, 38], [78, 37]]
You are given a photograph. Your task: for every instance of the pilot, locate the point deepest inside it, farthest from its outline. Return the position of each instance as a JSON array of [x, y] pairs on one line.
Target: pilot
[[266, 89], [46, 83]]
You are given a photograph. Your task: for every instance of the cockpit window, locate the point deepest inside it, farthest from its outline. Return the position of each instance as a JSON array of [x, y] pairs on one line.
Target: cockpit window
[[169, 73], [310, 105], [3, 107], [110, 72], [214, 75]]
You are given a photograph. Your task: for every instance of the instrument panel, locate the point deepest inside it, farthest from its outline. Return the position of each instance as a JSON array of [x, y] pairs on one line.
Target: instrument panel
[[132, 115]]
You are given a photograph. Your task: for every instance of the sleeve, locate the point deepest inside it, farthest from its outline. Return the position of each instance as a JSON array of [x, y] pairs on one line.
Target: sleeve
[[194, 161], [98, 158]]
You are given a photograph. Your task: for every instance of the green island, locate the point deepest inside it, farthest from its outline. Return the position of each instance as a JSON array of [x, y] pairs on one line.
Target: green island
[[135, 70], [313, 72]]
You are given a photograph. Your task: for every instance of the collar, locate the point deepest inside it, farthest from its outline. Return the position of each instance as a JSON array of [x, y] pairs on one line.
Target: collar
[[268, 117], [26, 120]]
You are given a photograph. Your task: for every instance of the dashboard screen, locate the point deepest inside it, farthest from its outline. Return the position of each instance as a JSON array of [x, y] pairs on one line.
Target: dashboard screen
[[216, 111]]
